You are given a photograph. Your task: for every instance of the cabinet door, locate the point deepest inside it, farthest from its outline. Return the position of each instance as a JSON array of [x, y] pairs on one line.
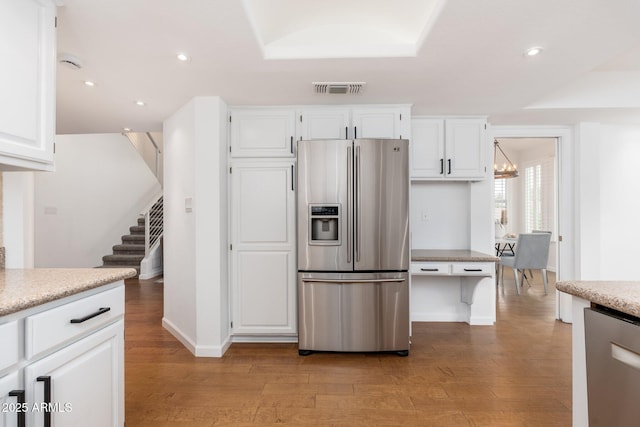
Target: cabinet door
[[86, 382], [427, 148], [27, 104], [465, 148], [263, 260], [380, 122], [262, 133], [325, 123], [10, 407]]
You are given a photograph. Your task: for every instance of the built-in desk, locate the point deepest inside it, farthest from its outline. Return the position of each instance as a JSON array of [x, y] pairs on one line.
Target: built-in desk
[[453, 286]]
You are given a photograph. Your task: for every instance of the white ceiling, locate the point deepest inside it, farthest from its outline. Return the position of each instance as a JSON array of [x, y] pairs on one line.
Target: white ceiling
[[469, 58]]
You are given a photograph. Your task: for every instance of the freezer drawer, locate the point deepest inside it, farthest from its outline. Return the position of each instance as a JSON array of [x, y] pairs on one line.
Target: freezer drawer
[[353, 312], [612, 343]]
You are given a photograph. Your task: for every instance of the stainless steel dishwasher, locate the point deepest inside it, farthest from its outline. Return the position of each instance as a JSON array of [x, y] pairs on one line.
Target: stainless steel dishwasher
[[612, 341]]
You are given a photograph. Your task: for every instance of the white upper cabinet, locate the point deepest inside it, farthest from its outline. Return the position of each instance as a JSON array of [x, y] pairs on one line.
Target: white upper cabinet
[[381, 122], [325, 123], [448, 148], [27, 104], [355, 122], [262, 132]]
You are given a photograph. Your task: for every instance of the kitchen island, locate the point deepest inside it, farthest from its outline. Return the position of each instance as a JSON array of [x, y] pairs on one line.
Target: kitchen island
[[62, 360], [617, 295], [453, 286]]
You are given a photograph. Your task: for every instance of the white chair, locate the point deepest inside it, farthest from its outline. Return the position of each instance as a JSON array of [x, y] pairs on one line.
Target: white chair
[[532, 253]]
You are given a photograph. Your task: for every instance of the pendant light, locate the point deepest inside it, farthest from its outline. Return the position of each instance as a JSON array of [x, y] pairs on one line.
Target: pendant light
[[508, 169]]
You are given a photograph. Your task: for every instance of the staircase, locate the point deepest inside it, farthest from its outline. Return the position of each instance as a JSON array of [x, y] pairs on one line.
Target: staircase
[[131, 252]]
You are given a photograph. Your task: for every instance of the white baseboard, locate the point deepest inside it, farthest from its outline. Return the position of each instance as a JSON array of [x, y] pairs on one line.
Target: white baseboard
[[196, 350]]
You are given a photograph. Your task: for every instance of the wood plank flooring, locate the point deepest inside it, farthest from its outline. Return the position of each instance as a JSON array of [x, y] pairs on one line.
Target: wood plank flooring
[[516, 373]]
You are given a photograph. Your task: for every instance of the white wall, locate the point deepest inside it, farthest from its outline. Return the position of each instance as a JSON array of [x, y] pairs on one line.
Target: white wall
[[17, 219], [196, 295], [619, 153], [96, 193]]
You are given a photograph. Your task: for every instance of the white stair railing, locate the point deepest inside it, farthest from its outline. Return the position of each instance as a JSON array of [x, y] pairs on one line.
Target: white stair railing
[[153, 225]]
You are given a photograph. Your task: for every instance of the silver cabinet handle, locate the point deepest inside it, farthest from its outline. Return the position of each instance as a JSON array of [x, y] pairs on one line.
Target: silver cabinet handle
[[429, 269]]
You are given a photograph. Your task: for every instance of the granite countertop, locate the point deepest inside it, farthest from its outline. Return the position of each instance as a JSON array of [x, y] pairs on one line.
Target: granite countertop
[[621, 296], [452, 255], [25, 288]]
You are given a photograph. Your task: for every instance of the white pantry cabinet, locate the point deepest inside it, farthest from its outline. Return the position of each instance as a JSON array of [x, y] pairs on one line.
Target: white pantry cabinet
[[69, 368], [350, 122], [27, 104], [263, 247], [448, 148], [262, 132]]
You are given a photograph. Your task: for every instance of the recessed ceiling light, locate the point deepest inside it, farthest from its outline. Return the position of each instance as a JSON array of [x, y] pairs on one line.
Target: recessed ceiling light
[[140, 103], [533, 51], [182, 57], [126, 129], [89, 83]]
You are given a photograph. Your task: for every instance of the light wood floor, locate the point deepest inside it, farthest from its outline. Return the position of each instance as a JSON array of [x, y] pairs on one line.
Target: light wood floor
[[516, 373]]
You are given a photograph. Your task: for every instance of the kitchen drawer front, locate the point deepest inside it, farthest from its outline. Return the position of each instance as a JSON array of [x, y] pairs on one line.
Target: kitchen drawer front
[[70, 321], [431, 268], [473, 269], [10, 344]]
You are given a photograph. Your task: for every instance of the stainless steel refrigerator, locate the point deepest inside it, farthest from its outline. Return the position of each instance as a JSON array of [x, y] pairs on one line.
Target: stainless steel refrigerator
[[353, 245]]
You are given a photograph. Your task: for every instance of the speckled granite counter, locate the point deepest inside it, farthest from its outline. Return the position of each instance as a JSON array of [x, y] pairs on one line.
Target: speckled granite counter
[[621, 296], [452, 255], [22, 289]]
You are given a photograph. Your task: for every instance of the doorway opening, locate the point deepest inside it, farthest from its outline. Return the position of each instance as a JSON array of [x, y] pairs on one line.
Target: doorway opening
[[529, 203]]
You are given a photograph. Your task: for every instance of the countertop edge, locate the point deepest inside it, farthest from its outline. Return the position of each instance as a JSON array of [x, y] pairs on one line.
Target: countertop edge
[[623, 296], [450, 255], [27, 289]]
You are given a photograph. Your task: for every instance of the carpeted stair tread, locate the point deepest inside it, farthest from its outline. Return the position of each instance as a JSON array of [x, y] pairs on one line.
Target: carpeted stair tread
[[137, 229], [122, 258], [129, 238], [128, 249]]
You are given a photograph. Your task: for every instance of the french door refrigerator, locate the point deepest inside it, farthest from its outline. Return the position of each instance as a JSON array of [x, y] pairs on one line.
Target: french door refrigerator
[[353, 245]]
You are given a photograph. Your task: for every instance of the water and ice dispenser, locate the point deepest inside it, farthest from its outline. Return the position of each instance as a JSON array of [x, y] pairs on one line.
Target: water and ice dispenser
[[325, 223]]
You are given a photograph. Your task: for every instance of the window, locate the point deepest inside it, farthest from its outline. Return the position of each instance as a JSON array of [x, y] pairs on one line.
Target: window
[[500, 200], [539, 196]]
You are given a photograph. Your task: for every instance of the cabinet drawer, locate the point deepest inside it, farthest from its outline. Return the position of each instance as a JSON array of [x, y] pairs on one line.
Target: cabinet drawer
[[62, 324], [472, 269], [10, 344], [430, 268]]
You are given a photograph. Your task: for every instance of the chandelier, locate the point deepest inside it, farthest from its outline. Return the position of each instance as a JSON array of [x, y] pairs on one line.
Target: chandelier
[[507, 169]]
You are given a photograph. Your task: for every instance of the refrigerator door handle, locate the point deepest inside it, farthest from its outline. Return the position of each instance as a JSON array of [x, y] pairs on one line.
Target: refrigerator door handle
[[358, 203], [399, 280], [349, 201]]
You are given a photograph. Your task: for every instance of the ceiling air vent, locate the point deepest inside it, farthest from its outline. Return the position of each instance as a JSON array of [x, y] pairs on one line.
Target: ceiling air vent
[[339, 88], [70, 61]]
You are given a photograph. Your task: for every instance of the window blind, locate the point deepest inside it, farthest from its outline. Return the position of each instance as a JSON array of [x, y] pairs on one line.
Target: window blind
[[539, 196]]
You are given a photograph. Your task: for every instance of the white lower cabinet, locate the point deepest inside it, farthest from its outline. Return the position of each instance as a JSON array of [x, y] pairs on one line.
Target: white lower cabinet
[[11, 401], [80, 384], [74, 377], [263, 257]]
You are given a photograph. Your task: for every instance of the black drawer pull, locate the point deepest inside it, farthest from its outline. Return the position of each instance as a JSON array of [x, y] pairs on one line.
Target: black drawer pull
[[100, 311], [429, 269], [22, 413], [472, 269]]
